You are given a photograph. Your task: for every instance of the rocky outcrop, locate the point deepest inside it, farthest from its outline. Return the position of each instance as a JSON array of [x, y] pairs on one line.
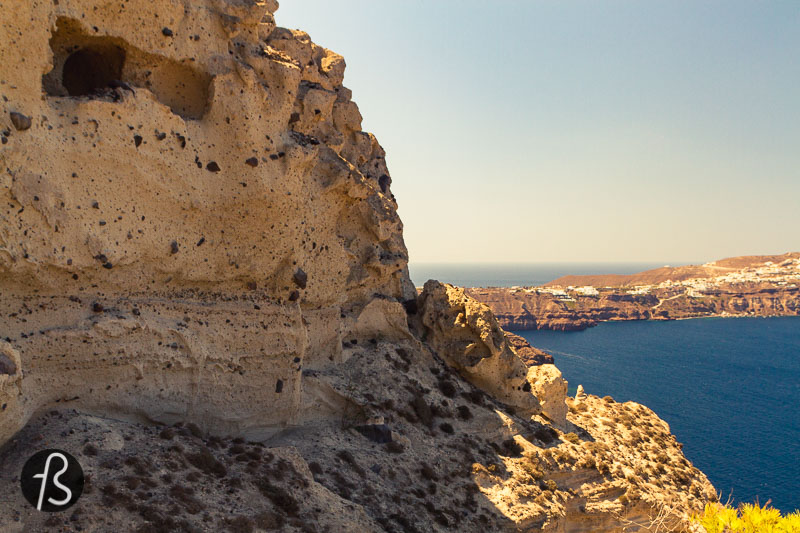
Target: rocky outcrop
[[204, 296], [619, 465], [466, 335], [413, 448], [741, 287], [530, 356]]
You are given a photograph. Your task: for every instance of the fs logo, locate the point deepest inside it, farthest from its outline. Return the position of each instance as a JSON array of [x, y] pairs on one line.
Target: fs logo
[[52, 480]]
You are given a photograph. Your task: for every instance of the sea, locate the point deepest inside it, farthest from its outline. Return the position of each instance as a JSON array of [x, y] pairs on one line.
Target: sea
[[511, 275], [728, 387]]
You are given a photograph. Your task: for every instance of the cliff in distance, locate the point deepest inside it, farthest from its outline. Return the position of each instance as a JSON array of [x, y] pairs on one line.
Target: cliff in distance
[[738, 286], [204, 297]]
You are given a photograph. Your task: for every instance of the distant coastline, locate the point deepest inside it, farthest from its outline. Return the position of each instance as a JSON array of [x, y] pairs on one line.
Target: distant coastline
[[758, 286], [516, 274]]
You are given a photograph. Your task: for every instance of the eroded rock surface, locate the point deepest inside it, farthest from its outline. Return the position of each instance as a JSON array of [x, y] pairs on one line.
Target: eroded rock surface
[[465, 333], [530, 355], [190, 209]]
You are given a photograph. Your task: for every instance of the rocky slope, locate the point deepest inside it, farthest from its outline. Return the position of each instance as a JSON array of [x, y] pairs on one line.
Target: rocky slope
[[204, 297], [740, 286]]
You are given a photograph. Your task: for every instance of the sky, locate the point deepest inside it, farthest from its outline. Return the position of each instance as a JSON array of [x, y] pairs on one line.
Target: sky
[[526, 131]]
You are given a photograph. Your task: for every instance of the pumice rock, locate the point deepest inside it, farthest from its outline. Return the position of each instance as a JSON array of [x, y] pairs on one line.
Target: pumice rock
[[465, 333], [580, 394], [204, 297], [318, 212]]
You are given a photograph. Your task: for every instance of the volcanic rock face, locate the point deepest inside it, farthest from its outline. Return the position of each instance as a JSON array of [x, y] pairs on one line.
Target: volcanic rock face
[[466, 334], [199, 243], [530, 356], [219, 162]]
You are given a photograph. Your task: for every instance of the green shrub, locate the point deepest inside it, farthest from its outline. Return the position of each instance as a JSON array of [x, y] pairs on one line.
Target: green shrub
[[532, 469]]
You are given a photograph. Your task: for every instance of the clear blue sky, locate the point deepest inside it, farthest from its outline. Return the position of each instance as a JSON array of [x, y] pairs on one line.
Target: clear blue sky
[[533, 131]]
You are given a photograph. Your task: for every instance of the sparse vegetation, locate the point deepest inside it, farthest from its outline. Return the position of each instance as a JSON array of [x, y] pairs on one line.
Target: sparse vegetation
[[447, 388], [475, 396], [206, 462], [240, 524], [348, 458], [748, 518], [279, 496], [577, 408], [532, 468], [90, 449], [395, 447], [511, 448], [428, 472], [422, 410]]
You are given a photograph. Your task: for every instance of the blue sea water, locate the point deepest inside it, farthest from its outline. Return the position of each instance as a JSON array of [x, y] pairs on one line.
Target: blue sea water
[[728, 387]]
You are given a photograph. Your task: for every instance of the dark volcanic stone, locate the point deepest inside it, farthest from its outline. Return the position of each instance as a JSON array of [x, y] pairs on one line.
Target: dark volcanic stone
[[384, 181], [422, 410], [300, 278], [379, 433], [7, 366], [20, 121]]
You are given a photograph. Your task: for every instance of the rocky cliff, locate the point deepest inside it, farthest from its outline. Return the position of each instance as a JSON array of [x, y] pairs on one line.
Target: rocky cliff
[[201, 211], [740, 286], [204, 296]]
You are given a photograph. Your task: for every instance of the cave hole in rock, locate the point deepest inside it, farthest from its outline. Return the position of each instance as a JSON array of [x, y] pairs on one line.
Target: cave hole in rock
[[91, 69], [87, 65]]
